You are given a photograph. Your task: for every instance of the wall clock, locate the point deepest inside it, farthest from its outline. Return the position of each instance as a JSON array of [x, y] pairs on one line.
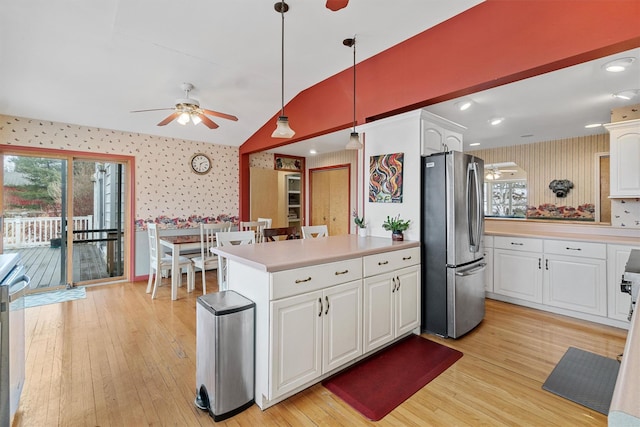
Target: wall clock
[[200, 163]]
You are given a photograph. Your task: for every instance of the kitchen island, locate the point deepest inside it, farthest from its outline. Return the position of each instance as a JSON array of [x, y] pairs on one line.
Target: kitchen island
[[323, 304]]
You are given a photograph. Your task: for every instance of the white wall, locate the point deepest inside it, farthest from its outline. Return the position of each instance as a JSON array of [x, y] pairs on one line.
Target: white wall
[[398, 134]]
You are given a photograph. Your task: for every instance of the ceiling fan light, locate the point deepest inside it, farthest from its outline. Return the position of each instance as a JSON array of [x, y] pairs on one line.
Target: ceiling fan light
[[282, 128], [354, 142], [184, 118], [196, 119]]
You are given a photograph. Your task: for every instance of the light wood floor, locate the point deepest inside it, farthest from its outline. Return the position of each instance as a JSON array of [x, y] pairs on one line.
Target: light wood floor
[[117, 358]]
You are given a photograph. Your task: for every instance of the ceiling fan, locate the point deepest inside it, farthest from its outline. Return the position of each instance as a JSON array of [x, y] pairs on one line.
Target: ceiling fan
[[335, 5], [188, 110]]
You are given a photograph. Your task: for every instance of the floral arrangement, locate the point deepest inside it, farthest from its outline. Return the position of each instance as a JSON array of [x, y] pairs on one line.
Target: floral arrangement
[[359, 221]]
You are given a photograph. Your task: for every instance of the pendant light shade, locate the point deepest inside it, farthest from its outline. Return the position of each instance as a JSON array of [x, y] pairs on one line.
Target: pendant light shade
[[282, 128], [354, 140], [282, 125]]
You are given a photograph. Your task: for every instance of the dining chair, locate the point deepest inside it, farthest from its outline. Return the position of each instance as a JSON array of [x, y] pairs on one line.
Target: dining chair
[[255, 226], [227, 238], [159, 261], [270, 234], [314, 231], [268, 222], [208, 260]]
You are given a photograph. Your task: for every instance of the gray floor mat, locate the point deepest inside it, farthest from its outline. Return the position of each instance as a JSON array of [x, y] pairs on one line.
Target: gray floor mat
[[585, 378]]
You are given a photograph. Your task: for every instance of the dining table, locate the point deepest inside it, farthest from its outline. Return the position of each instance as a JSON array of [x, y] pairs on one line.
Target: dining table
[[177, 244]]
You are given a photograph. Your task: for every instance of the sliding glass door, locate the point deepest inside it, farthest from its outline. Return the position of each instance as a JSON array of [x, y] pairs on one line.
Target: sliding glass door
[[66, 217]]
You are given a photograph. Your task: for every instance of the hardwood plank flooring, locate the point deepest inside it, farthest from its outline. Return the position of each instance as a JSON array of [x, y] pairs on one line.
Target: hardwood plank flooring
[[117, 358]]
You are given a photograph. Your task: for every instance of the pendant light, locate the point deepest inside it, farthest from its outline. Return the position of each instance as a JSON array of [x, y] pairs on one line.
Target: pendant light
[[282, 125], [354, 140]]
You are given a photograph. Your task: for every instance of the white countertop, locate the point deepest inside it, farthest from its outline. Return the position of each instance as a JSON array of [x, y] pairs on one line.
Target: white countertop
[[625, 403], [289, 254]]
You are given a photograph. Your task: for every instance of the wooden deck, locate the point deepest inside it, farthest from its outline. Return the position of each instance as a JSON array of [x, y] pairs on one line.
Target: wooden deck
[[43, 265]]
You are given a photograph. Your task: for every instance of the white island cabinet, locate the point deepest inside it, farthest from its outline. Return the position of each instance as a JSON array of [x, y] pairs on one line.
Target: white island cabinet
[[310, 314]]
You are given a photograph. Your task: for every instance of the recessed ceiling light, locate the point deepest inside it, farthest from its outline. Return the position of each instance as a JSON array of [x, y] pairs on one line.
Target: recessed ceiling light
[[593, 125], [312, 151], [496, 121], [474, 144], [627, 94], [463, 105], [618, 65]]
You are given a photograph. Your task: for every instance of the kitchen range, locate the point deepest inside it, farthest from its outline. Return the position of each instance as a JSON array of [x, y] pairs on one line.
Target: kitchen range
[[13, 285]]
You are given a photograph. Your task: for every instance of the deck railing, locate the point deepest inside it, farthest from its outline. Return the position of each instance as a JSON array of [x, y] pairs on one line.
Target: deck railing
[[22, 232]]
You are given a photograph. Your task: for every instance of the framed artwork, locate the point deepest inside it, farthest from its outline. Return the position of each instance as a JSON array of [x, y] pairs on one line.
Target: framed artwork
[[288, 163], [385, 178]]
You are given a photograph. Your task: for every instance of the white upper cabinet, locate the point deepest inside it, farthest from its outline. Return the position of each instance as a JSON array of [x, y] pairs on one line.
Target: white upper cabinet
[[624, 148], [439, 134]]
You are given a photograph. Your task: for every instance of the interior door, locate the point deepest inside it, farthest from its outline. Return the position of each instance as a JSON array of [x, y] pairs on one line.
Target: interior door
[[329, 200]]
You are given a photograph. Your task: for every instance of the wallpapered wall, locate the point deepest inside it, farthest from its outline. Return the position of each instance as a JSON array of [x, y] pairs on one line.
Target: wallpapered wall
[[572, 159], [166, 189]]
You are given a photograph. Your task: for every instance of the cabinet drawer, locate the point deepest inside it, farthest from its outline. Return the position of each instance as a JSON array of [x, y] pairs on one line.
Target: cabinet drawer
[[300, 280], [580, 249], [518, 243], [389, 261]]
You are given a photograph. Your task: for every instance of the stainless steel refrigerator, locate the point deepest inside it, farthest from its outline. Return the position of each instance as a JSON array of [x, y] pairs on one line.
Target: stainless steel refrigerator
[[452, 254]]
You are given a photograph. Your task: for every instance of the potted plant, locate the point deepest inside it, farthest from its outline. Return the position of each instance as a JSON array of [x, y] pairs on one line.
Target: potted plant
[[362, 227], [397, 226]]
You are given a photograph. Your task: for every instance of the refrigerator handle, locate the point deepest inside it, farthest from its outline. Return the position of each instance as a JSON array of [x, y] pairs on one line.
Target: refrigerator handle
[[474, 217]]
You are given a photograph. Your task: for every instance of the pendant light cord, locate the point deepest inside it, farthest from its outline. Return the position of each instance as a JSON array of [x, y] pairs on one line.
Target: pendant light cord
[[354, 83], [282, 59]]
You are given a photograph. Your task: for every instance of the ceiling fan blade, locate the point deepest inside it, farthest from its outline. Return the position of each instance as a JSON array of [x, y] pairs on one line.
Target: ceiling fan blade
[[153, 109], [221, 115], [336, 4], [208, 122], [169, 118]]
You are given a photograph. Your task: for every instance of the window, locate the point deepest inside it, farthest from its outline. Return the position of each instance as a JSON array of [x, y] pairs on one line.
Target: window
[[505, 198]]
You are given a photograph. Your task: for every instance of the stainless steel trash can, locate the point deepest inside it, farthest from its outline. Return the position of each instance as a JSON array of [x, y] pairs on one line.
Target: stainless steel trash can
[[224, 353]]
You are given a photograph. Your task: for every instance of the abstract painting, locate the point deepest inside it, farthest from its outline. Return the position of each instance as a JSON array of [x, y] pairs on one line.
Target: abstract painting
[[385, 178]]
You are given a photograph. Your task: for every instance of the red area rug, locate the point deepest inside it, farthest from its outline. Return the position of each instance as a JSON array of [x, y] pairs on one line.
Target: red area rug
[[376, 385]]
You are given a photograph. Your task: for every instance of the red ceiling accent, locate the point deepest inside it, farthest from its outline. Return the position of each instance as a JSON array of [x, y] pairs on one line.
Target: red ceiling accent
[[494, 43]]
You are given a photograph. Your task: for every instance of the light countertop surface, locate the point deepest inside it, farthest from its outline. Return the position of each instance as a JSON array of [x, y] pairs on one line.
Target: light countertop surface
[[625, 403], [560, 230], [290, 254]]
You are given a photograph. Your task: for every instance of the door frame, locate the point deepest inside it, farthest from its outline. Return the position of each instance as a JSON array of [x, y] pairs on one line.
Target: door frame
[[70, 156]]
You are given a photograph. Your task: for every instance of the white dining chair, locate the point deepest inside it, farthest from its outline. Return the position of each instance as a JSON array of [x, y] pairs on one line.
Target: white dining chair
[[208, 260], [158, 261], [228, 238], [314, 231], [267, 221], [255, 226]]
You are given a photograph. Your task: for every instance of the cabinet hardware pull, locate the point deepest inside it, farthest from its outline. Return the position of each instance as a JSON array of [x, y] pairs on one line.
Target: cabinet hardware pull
[[539, 264], [393, 280], [341, 272], [398, 279], [517, 244], [546, 264], [405, 258], [573, 249], [303, 280], [383, 262], [327, 299], [320, 302]]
